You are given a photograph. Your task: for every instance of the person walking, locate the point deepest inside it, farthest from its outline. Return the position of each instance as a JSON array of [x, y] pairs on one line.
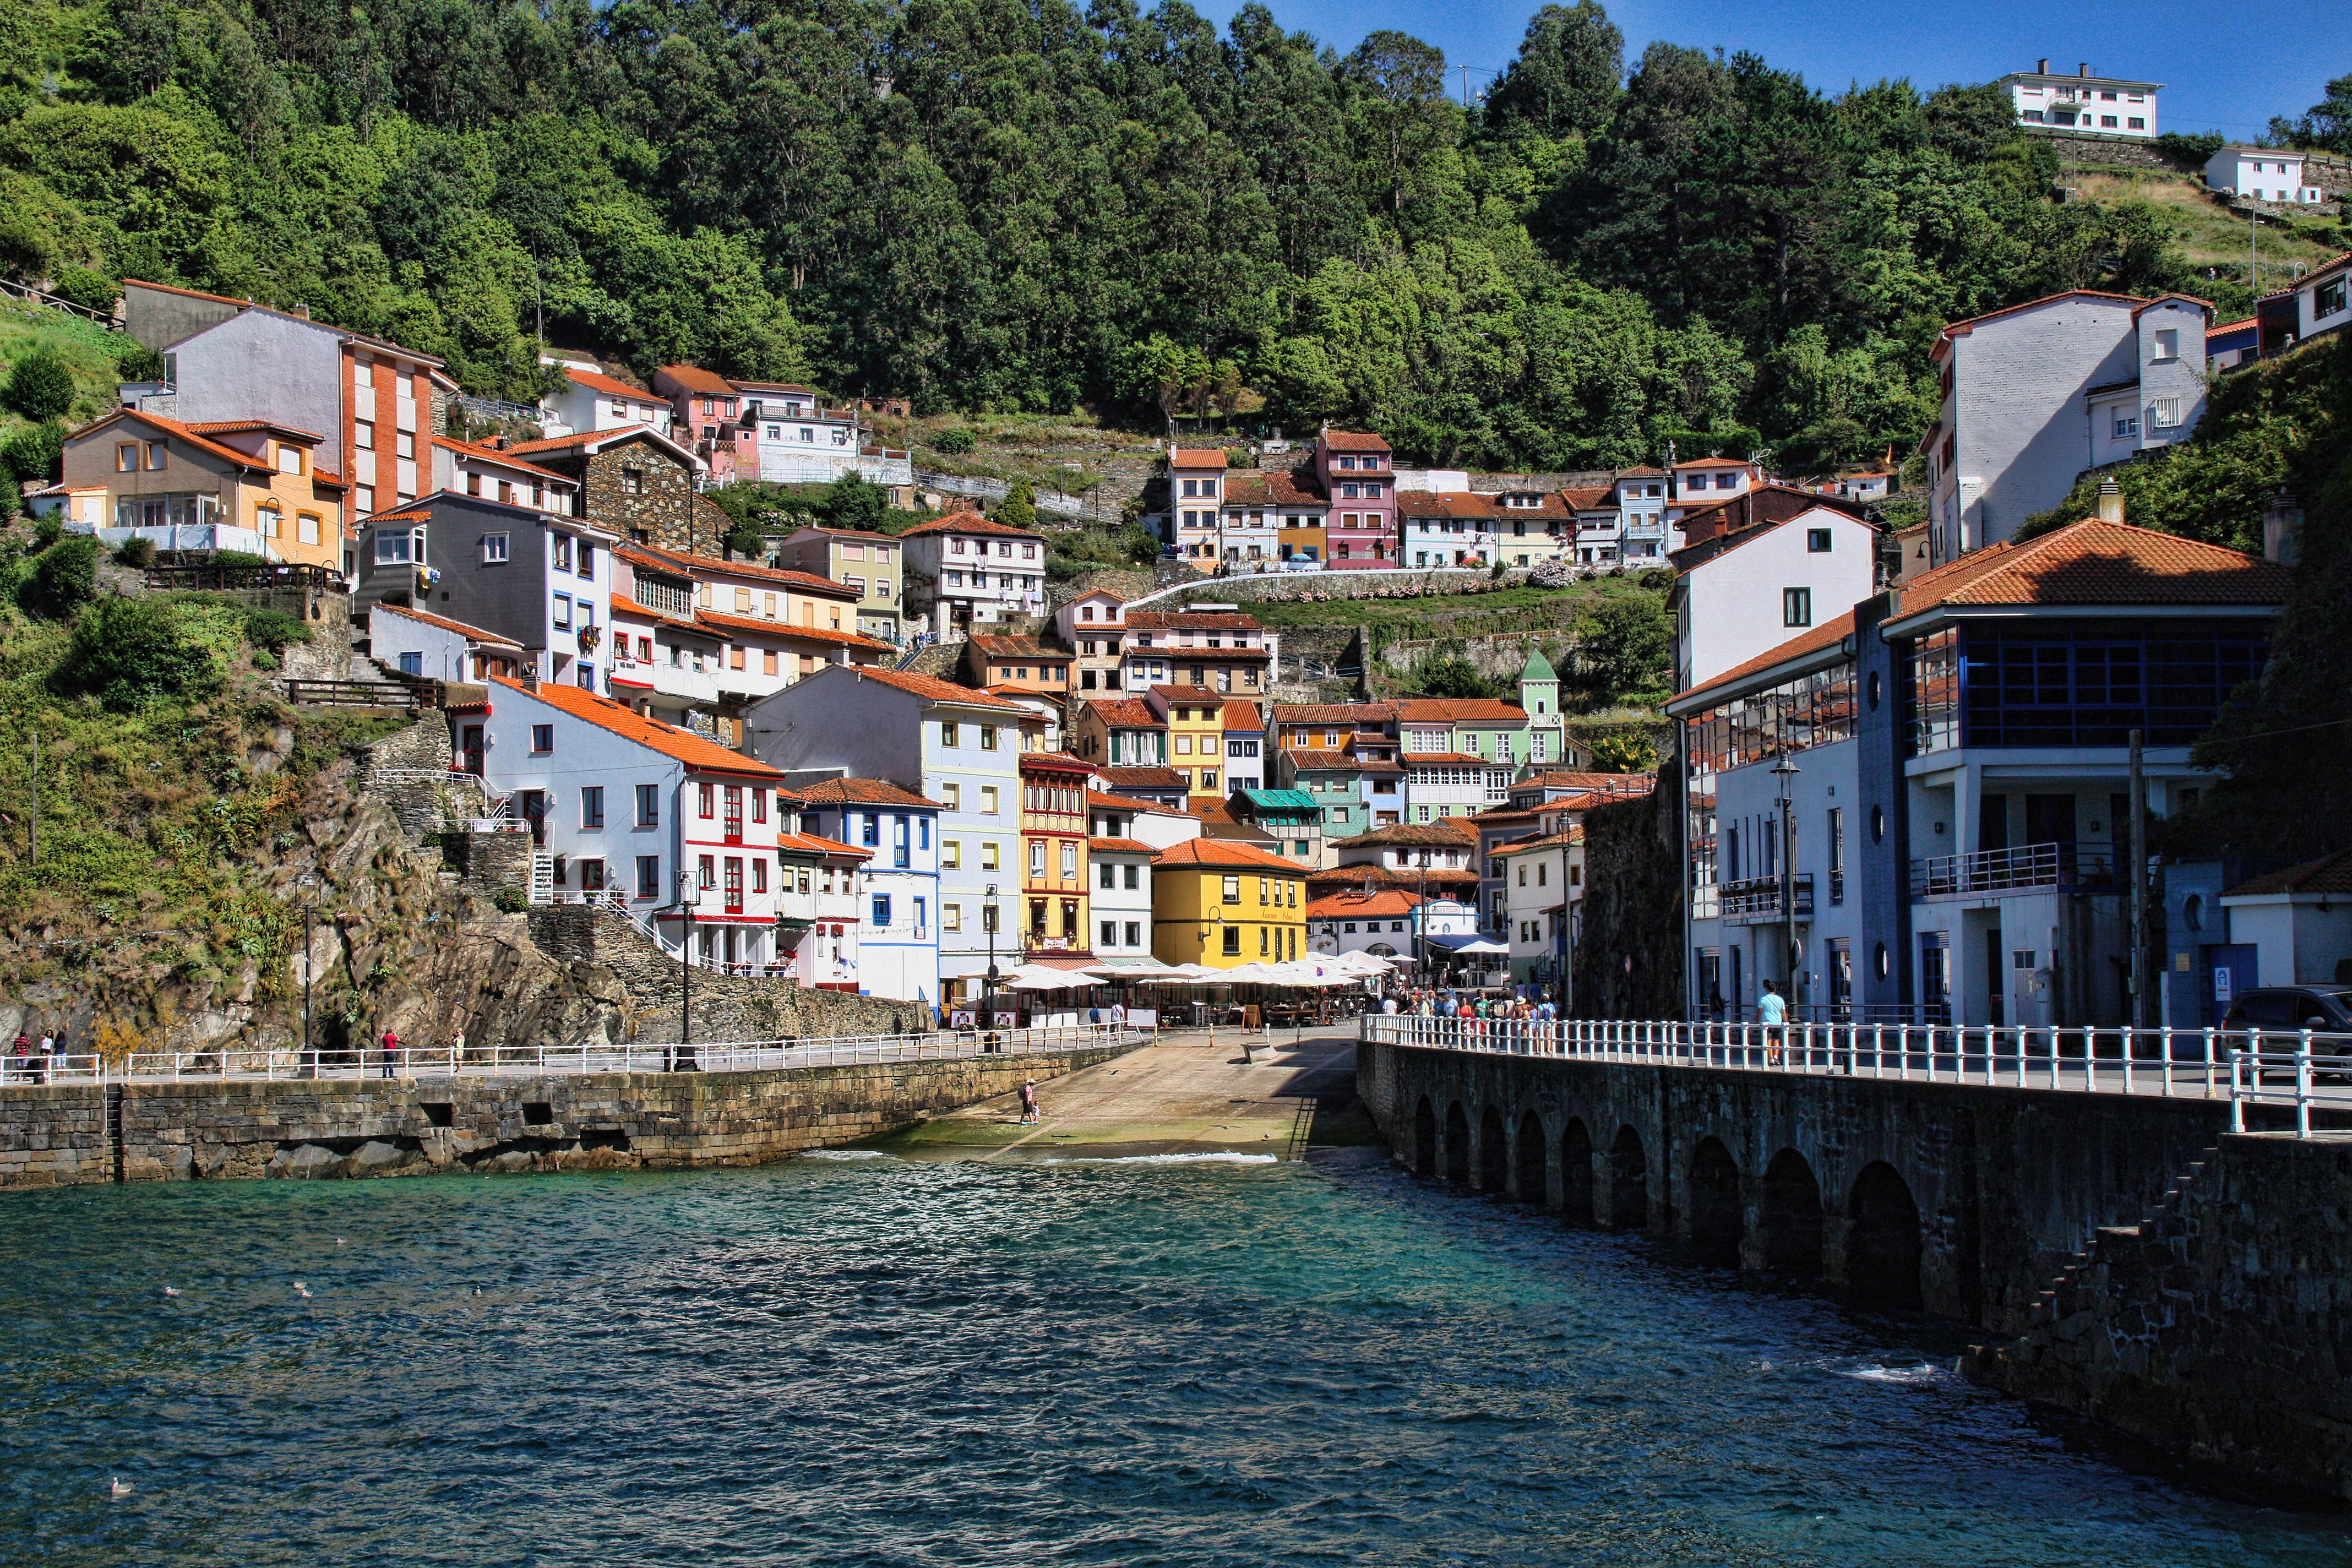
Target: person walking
[[48, 1055], [1772, 1009], [24, 1054], [391, 1051], [1028, 1101]]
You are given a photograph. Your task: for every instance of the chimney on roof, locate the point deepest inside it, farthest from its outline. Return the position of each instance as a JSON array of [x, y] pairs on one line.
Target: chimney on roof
[[2084, 69], [2111, 501], [2041, 68], [301, 310]]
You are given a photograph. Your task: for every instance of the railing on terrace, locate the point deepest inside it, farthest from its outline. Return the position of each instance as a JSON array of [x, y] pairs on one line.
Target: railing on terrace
[[562, 1062], [2283, 1068], [1759, 898], [2026, 865], [366, 693], [224, 578]]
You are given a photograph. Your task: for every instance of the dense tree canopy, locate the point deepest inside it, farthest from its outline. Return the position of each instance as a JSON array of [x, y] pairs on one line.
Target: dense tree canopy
[[1016, 204]]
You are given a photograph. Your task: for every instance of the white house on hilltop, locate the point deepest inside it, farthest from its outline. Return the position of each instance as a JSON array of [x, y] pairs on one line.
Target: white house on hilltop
[[2104, 106], [2261, 174]]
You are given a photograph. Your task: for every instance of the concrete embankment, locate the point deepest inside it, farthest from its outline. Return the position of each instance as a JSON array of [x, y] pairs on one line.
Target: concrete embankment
[[68, 1134]]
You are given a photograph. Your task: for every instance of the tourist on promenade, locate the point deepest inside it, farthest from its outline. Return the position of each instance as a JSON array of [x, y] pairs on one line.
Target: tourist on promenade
[[24, 1054], [391, 1051], [1028, 1101], [48, 1048], [1773, 1009]]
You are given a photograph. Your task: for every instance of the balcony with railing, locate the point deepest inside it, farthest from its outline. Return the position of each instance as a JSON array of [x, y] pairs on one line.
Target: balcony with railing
[[2022, 869], [1756, 900]]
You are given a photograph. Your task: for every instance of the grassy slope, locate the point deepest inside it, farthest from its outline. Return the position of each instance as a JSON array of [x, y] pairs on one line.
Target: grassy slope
[[2209, 234], [1557, 605], [88, 349]]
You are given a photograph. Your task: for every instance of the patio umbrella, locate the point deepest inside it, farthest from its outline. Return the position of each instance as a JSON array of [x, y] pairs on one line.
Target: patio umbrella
[[1042, 977]]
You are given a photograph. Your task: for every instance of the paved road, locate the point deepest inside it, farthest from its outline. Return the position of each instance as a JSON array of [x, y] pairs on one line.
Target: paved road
[[1183, 1095]]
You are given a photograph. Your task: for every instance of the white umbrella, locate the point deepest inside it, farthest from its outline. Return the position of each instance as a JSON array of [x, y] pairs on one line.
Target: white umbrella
[[1043, 977]]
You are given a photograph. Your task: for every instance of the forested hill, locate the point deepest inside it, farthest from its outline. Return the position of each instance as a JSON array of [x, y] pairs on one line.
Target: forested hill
[[999, 205]]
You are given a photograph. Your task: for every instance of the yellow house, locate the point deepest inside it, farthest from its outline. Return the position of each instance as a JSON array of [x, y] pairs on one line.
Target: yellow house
[[237, 484], [1195, 718], [1222, 903]]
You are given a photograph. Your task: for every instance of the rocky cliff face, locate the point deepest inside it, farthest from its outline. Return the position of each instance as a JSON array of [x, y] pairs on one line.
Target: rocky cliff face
[[396, 940]]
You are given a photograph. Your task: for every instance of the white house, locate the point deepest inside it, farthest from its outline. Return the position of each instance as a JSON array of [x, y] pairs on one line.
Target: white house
[[2323, 301], [819, 911], [1190, 519], [1148, 822], [2104, 106], [1542, 881], [1121, 897], [958, 748], [630, 811], [1092, 627], [2261, 174], [1379, 921], [2035, 394], [590, 401], [898, 932], [418, 642], [963, 570], [1759, 571], [2299, 922]]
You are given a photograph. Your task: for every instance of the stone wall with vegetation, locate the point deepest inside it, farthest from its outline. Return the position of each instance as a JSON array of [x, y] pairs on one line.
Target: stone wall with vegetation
[[1628, 958]]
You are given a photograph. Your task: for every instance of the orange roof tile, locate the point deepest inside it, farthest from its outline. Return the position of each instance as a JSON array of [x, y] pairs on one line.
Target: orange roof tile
[[1828, 635], [1123, 713], [1459, 759], [683, 745], [1241, 716], [1100, 846], [2094, 563], [930, 688], [653, 557], [694, 378], [785, 629], [1143, 778], [499, 456], [1056, 761], [1223, 852], [230, 427], [1196, 457], [1460, 710], [1357, 904], [860, 792], [965, 522], [187, 433], [597, 381], [1354, 441], [1096, 799], [817, 844], [472, 634]]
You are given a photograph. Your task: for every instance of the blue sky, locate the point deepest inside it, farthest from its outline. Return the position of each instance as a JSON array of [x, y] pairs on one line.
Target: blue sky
[[2226, 66]]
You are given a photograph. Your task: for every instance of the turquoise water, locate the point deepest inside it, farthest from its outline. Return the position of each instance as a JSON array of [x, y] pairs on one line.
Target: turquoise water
[[870, 1360]]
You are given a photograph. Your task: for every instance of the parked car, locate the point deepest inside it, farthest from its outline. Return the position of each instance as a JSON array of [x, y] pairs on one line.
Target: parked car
[[2282, 1011]]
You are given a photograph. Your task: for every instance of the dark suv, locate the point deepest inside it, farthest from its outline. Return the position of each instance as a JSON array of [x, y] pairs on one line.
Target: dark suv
[[2323, 1009]]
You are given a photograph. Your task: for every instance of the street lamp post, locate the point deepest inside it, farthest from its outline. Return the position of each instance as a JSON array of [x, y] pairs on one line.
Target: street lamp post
[[1784, 772], [988, 918]]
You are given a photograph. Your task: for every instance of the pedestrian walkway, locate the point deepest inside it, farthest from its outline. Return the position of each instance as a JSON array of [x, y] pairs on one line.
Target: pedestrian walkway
[[1185, 1094]]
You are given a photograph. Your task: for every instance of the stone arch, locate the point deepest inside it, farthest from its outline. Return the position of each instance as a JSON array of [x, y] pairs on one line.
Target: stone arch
[[1425, 1139], [1527, 1183], [1881, 1239], [1628, 1180], [1576, 1173], [1494, 1152], [1792, 1216], [1457, 1143], [1716, 1221]]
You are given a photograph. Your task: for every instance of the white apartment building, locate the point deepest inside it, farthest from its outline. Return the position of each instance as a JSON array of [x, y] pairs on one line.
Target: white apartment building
[[2261, 174], [964, 570], [2103, 106], [817, 912], [897, 893], [590, 401], [2323, 301], [1193, 518], [2036, 394], [1799, 561], [1122, 897]]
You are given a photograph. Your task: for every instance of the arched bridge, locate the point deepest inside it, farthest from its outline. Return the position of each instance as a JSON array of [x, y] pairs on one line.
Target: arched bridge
[[1965, 1199]]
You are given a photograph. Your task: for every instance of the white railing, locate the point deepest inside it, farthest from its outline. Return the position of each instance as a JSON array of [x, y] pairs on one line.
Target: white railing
[[561, 1061], [2243, 1066]]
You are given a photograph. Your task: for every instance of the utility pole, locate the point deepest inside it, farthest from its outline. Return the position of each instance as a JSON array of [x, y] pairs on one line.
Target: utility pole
[[2139, 886], [36, 798], [1785, 772]]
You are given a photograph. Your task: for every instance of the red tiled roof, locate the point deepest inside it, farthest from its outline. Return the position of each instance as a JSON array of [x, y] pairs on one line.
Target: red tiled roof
[[624, 605], [1018, 648], [1828, 635], [1332, 714], [930, 688], [2330, 874], [678, 562], [1240, 716], [1124, 713], [1196, 457], [1448, 833], [1464, 759], [860, 792], [472, 634], [786, 629], [1275, 486], [1460, 710], [1357, 904], [231, 427], [501, 457], [1620, 783], [1057, 761], [1354, 441], [2094, 563], [683, 745], [1644, 472], [817, 844], [966, 522], [1191, 621], [1118, 847], [1095, 799], [1447, 503], [590, 439], [1714, 463], [2192, 299], [1557, 841], [694, 378], [187, 433], [1311, 760], [1144, 778], [1225, 852], [597, 381]]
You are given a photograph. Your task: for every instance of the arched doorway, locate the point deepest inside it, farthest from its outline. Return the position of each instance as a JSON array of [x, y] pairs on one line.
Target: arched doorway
[[1715, 1217], [1425, 1139], [1494, 1157], [1881, 1239], [1629, 1181], [1528, 1162], [1792, 1216], [1457, 1143], [1576, 1173]]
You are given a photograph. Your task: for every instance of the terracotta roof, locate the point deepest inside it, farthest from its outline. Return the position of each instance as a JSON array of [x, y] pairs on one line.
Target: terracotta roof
[[1017, 647], [1118, 847], [786, 629], [682, 745], [1275, 486], [1096, 800], [1144, 778], [1591, 499], [501, 457], [1189, 695], [1961, 327], [1124, 713], [1557, 841], [1505, 815], [816, 844], [1196, 457], [1447, 503], [1623, 783], [1240, 716], [1339, 761], [1097, 594], [1828, 635], [1222, 852], [1465, 759], [2190, 298], [592, 441], [1061, 760], [2330, 874], [1436, 879], [1353, 713], [1178, 655], [1448, 833], [1359, 904], [231, 427], [860, 792], [1354, 441], [624, 605], [930, 688], [187, 433], [597, 381], [471, 634], [696, 379], [966, 522], [1191, 621], [678, 562], [2237, 326], [1460, 710], [2094, 563], [1644, 472]]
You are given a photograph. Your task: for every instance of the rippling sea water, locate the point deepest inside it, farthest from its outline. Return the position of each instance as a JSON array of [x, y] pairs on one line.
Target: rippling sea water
[[876, 1361]]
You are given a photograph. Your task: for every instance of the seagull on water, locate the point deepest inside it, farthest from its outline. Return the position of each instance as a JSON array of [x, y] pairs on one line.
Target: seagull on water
[[301, 1290], [117, 1487], [169, 1291]]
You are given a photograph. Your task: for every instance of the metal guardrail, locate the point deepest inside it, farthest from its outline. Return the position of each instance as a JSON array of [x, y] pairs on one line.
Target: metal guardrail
[[2243, 1066], [33, 296], [227, 578], [1759, 898], [560, 1061], [2026, 865]]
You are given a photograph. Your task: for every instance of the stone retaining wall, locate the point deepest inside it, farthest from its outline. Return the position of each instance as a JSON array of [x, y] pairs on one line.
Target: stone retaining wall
[[2220, 1329], [56, 1136]]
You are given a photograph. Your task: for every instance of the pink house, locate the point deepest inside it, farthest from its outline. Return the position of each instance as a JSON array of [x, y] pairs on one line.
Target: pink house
[[707, 417], [1359, 481]]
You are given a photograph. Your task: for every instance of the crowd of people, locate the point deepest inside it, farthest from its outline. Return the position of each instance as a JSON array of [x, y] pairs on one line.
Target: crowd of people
[[1447, 1003]]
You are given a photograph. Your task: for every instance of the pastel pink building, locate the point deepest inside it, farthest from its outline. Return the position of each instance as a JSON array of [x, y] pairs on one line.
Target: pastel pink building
[[1358, 481]]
